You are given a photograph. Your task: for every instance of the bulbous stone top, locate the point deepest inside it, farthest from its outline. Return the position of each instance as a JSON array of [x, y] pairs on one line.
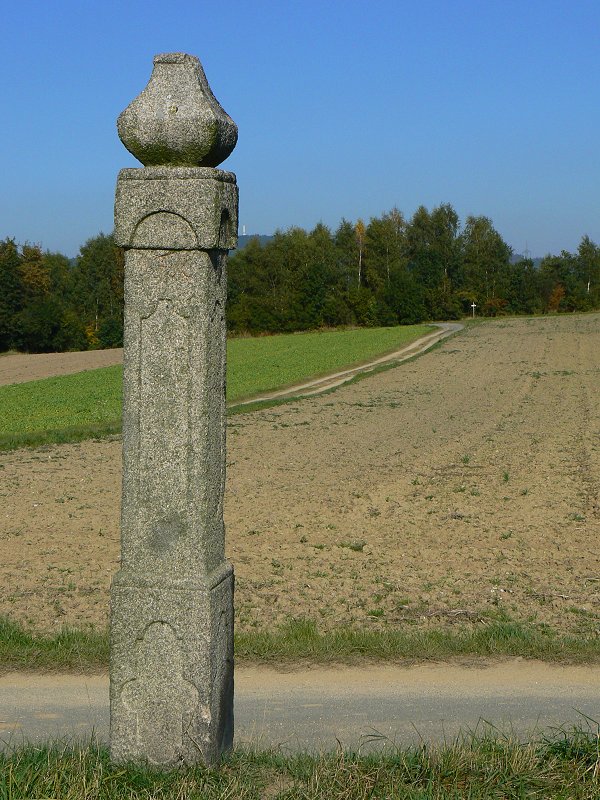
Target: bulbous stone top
[[176, 120]]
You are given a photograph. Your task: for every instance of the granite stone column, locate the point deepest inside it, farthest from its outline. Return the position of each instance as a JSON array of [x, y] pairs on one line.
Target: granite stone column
[[171, 674]]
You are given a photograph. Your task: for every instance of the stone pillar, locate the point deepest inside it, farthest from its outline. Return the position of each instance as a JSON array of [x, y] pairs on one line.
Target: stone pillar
[[171, 673]]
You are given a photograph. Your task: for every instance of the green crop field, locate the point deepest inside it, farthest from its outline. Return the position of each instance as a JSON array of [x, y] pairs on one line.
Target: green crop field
[[86, 404], [66, 408], [269, 362]]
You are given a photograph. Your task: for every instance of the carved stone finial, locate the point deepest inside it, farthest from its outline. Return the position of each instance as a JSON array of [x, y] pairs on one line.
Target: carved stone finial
[[176, 120]]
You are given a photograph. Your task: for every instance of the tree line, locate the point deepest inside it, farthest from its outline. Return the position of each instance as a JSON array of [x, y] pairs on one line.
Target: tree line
[[390, 271], [397, 271], [50, 303]]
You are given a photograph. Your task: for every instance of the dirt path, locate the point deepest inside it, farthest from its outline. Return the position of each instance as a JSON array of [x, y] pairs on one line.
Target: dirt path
[[335, 379], [314, 708], [460, 483]]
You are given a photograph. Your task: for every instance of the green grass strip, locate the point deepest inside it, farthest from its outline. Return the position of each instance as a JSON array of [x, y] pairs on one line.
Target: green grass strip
[[69, 650], [478, 766], [88, 404], [300, 641]]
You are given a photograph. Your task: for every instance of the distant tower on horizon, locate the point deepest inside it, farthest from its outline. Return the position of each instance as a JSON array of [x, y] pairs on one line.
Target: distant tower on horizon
[[243, 230], [527, 251]]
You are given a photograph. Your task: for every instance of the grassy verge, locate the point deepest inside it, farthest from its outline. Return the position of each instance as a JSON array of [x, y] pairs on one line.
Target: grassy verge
[[88, 404], [564, 765], [68, 651], [300, 642]]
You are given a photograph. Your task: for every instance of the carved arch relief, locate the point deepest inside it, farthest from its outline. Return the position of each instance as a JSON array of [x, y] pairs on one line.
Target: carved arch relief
[[164, 230], [162, 701], [225, 230]]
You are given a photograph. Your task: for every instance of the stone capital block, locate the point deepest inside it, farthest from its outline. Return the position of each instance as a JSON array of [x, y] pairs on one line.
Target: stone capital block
[[176, 208]]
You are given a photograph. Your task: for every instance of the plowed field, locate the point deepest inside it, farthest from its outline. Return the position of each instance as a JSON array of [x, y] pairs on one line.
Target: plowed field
[[461, 483]]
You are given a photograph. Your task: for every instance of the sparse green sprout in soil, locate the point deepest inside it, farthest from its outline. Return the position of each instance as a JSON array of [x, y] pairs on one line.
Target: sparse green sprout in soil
[[357, 547]]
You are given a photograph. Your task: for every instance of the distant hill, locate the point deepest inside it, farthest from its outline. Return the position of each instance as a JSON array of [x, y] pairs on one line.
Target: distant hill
[[518, 257], [243, 240]]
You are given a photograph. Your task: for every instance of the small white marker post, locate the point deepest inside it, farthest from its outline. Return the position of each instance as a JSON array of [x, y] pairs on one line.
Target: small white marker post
[[473, 306]]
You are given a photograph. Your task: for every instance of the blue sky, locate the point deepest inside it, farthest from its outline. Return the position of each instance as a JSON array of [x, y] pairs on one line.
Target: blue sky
[[345, 108]]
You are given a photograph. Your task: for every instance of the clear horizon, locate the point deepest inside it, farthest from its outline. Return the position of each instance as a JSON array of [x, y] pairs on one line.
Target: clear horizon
[[344, 110]]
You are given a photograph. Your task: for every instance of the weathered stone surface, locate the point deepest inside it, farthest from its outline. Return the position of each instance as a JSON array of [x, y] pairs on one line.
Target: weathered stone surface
[[172, 600], [176, 208], [173, 413], [172, 671], [176, 119]]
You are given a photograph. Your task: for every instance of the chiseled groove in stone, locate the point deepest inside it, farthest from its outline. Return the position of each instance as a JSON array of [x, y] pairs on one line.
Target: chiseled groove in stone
[[204, 580], [175, 173], [200, 199]]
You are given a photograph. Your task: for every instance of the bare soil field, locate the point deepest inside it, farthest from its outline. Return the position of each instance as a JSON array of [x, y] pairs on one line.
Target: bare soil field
[[20, 368], [459, 483]]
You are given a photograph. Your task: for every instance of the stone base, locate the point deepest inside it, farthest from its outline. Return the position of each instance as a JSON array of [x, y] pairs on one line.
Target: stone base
[[171, 678]]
